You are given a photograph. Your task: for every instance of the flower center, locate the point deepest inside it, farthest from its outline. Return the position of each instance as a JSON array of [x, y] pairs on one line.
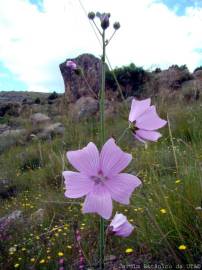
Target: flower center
[[132, 126], [99, 178]]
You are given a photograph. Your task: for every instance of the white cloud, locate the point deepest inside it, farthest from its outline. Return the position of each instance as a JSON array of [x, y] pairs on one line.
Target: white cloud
[[34, 43]]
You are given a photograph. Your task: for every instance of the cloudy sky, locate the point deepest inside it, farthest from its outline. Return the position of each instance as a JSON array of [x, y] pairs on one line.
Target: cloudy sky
[[37, 35]]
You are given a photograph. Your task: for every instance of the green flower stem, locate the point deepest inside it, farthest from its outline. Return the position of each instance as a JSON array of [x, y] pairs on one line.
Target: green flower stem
[[122, 135], [102, 139]]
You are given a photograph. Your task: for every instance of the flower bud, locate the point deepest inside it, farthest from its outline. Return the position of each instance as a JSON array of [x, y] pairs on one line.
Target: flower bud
[[120, 226], [116, 25], [91, 15], [70, 64], [105, 21], [98, 14]]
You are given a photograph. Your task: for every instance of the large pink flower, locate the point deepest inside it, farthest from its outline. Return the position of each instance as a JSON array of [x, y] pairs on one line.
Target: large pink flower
[[120, 226], [99, 177], [144, 120]]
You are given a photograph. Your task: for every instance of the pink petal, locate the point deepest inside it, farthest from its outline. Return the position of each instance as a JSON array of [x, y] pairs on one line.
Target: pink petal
[[85, 160], [118, 220], [138, 108], [138, 138], [77, 185], [121, 226], [121, 186], [98, 201], [112, 159], [147, 135], [150, 120], [124, 230]]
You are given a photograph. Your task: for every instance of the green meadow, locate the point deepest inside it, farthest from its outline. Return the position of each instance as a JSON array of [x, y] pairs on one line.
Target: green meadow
[[165, 210]]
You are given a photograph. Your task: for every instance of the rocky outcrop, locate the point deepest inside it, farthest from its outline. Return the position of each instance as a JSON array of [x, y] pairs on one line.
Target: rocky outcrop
[[173, 77], [86, 82], [133, 81]]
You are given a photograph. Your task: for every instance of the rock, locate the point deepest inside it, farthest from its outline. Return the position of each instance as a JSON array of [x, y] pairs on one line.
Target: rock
[[38, 216], [11, 137], [3, 128], [7, 189], [198, 74], [7, 221], [10, 108], [84, 108], [88, 84], [110, 108], [13, 132], [38, 119], [192, 90], [14, 216], [51, 130], [172, 77]]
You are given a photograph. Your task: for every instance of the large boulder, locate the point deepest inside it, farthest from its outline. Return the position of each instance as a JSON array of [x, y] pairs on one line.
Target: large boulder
[[87, 82], [84, 108], [39, 119]]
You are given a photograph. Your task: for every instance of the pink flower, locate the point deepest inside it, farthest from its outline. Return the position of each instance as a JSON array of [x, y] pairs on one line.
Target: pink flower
[[71, 65], [99, 177], [144, 120], [120, 226]]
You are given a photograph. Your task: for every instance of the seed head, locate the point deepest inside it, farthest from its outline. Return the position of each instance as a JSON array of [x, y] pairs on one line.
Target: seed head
[[91, 15], [116, 25]]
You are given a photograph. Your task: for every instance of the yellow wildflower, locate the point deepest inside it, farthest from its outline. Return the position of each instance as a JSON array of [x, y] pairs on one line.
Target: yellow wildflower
[[42, 261], [177, 181], [163, 211], [16, 265], [60, 254], [182, 247], [129, 250]]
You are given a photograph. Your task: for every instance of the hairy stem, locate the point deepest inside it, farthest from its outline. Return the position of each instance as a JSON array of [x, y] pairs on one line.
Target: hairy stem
[[102, 138]]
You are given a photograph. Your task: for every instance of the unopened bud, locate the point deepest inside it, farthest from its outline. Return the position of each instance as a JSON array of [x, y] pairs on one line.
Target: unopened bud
[[70, 64], [116, 25], [98, 14], [91, 15], [105, 21]]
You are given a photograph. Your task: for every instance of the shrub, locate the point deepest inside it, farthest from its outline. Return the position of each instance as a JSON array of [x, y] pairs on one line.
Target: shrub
[[130, 77], [37, 100], [52, 96], [198, 68]]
